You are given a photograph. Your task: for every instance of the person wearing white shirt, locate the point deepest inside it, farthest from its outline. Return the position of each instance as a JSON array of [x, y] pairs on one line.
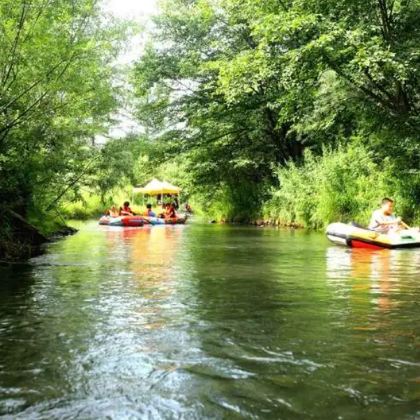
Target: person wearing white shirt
[[383, 220]]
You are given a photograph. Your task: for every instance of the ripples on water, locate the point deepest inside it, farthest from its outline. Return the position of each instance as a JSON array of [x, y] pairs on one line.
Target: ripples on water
[[210, 322]]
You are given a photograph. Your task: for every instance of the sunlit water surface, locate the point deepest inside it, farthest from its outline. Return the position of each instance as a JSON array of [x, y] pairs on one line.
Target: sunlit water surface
[[204, 321]]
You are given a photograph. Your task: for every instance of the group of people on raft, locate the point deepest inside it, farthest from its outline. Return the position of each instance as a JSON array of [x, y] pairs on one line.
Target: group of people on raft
[[168, 211]]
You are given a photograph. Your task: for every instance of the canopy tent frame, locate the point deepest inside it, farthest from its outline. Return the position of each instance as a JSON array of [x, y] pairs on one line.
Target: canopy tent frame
[[155, 188]]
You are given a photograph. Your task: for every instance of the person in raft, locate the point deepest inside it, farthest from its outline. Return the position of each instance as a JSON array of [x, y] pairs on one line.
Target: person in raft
[[170, 211], [113, 211], [149, 211], [125, 210], [383, 220], [175, 202]]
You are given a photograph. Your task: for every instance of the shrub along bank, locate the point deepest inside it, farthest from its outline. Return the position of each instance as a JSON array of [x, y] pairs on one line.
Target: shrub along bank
[[342, 185], [345, 184]]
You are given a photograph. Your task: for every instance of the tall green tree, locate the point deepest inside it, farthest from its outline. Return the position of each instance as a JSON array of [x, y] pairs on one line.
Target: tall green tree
[[56, 94], [179, 84], [241, 86]]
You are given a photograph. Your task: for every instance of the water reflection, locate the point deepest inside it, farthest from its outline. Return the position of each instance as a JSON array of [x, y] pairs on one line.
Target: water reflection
[[381, 290], [377, 284], [209, 322], [376, 272]]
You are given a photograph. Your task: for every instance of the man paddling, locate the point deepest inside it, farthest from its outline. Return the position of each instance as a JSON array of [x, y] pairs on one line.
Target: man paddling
[[383, 220]]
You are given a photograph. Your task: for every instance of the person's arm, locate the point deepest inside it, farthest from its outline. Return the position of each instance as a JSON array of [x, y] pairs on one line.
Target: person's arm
[[390, 222]]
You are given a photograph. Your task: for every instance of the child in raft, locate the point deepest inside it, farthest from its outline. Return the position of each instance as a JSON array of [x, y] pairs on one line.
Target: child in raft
[[170, 212], [112, 212], [125, 210], [149, 212]]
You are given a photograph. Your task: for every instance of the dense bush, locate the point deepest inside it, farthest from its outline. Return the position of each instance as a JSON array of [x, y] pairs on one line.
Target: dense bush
[[239, 87], [341, 185]]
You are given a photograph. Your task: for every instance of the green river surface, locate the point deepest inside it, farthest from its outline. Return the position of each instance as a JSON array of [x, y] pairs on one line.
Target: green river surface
[[209, 321]]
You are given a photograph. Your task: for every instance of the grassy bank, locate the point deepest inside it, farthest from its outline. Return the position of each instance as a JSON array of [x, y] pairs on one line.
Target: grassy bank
[[345, 184], [90, 204], [342, 185]]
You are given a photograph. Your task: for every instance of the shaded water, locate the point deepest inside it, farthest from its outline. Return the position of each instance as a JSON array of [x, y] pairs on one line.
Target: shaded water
[[210, 322]]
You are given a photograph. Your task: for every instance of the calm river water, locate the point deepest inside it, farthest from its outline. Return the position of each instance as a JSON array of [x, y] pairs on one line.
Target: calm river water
[[208, 321]]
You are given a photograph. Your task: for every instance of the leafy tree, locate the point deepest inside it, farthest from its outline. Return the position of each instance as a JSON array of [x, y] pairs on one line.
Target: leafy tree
[[239, 87], [55, 96], [227, 140]]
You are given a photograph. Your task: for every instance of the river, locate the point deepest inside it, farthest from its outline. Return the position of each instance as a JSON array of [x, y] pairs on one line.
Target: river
[[210, 321]]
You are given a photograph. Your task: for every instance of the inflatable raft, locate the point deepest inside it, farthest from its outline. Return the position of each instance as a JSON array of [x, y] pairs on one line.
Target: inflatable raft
[[358, 237], [133, 221], [140, 221]]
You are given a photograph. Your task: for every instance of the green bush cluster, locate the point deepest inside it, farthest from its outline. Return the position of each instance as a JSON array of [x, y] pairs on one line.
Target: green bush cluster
[[340, 185], [89, 204]]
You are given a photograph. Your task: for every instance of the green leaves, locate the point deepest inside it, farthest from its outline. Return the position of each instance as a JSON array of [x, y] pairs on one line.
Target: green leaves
[[55, 95], [251, 85]]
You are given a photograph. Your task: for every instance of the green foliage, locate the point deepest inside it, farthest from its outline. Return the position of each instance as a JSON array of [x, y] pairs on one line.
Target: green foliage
[[240, 101], [341, 185], [55, 96], [239, 87], [89, 204]]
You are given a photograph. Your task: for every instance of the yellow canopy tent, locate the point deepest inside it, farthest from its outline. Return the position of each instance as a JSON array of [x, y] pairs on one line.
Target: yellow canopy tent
[[170, 188], [156, 187]]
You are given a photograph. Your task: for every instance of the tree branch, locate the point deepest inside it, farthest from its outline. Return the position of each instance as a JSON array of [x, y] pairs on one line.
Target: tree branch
[[72, 184], [15, 43]]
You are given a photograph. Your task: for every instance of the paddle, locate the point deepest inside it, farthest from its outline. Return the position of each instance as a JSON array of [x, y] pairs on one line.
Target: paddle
[[404, 225]]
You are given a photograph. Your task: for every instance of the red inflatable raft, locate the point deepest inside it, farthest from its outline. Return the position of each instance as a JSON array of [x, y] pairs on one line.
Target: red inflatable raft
[[134, 221]]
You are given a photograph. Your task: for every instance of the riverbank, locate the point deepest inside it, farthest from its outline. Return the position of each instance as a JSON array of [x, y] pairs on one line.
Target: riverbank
[[21, 239], [343, 184]]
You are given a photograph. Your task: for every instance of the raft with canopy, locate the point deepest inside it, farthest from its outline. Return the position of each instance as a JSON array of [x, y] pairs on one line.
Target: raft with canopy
[[358, 237], [153, 188], [138, 221]]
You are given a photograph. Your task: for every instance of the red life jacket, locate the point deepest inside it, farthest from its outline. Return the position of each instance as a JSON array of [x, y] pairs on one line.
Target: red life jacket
[[125, 210]]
